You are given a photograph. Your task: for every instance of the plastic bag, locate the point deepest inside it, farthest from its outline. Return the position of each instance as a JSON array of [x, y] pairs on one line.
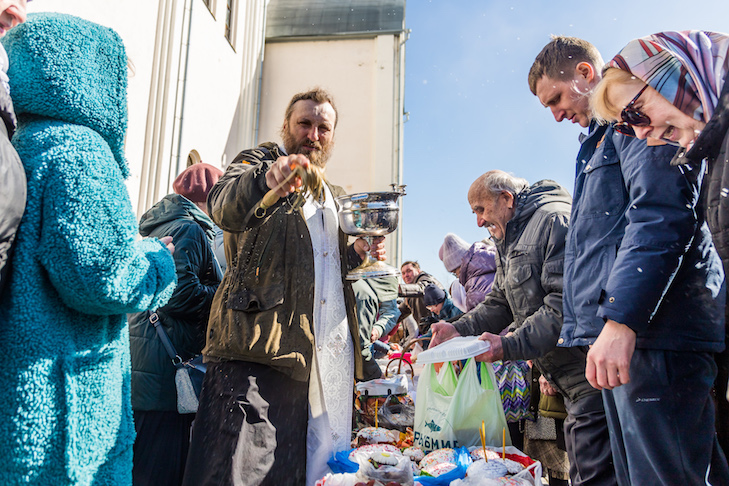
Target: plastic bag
[[453, 419], [340, 463], [382, 387], [463, 459], [339, 479], [389, 398], [401, 473], [532, 472], [397, 413]]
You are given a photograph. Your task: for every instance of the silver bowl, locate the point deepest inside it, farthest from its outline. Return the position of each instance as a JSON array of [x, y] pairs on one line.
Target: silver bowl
[[369, 213]]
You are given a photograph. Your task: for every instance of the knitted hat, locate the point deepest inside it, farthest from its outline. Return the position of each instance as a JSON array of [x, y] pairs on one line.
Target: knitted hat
[[452, 250], [196, 181], [433, 295]]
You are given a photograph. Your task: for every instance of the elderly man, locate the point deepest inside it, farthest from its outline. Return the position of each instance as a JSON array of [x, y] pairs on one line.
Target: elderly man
[[283, 333], [412, 290], [529, 225], [643, 284]]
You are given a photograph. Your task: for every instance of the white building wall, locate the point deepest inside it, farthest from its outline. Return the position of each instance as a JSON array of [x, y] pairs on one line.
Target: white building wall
[[359, 75], [191, 89]]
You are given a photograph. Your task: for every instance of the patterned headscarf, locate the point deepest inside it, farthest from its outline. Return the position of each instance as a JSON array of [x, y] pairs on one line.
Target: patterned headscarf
[[687, 68]]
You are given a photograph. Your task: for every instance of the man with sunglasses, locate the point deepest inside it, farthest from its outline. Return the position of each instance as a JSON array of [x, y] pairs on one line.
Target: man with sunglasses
[[642, 281]]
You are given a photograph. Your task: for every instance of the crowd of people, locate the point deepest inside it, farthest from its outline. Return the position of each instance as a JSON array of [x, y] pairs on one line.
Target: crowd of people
[[605, 310]]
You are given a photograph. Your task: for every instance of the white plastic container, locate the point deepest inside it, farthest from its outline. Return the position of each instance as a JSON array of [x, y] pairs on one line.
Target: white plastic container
[[462, 347], [382, 387]]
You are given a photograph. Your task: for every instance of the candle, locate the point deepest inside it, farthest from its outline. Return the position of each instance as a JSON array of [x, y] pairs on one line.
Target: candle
[[376, 403], [482, 433], [503, 444]]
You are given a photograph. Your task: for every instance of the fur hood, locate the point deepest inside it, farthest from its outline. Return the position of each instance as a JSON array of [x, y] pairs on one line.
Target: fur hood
[[88, 79]]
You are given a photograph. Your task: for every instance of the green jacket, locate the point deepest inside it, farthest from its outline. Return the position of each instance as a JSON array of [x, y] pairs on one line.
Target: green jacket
[[263, 310]]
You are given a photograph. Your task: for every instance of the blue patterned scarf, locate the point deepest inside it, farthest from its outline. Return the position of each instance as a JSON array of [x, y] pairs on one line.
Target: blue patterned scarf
[[687, 68]]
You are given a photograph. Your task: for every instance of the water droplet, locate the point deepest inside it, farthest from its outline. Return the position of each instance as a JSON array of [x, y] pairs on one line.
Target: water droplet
[[640, 270], [724, 192], [607, 213]]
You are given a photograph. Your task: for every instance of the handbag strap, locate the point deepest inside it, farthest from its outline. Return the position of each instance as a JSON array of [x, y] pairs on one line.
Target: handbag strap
[[176, 359]]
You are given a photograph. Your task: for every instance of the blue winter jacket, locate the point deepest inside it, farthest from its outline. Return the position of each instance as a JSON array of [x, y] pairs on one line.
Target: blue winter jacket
[[449, 310], [65, 408], [638, 249]]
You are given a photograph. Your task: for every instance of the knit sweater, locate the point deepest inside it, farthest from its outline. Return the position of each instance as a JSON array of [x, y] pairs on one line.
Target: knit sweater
[[65, 408]]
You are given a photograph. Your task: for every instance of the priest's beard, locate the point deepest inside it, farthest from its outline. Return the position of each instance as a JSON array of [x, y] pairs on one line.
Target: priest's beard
[[318, 157]]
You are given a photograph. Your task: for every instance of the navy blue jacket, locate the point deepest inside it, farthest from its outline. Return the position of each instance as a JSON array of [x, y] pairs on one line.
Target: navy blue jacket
[[638, 249]]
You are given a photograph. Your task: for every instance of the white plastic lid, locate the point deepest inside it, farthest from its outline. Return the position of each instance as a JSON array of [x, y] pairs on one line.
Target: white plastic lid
[[462, 347]]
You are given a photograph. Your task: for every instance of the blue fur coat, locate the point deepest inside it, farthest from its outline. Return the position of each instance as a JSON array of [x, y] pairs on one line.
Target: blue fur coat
[[65, 409]]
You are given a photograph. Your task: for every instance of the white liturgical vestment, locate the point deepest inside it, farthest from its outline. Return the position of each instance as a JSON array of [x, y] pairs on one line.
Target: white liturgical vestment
[[332, 374]]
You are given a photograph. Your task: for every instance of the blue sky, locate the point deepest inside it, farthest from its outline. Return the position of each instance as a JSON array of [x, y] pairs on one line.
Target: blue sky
[[470, 108]]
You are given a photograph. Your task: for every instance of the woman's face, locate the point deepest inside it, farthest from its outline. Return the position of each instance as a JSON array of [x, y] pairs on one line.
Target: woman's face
[[666, 121]]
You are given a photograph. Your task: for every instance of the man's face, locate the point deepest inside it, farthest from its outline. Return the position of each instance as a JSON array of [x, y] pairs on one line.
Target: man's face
[[409, 273], [310, 131], [492, 213], [567, 99], [12, 13]]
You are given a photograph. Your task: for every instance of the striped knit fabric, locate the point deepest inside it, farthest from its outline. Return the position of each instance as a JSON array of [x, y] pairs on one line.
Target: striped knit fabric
[[514, 386]]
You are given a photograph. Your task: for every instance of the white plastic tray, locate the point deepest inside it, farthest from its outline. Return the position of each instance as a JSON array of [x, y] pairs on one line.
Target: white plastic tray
[[462, 347]]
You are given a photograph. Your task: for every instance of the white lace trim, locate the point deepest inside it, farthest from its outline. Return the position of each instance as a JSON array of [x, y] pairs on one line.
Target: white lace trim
[[330, 389]]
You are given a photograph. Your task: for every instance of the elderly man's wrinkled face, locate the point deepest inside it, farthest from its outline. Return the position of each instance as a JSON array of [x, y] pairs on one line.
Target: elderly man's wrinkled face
[[492, 213], [310, 131], [409, 273], [12, 13]]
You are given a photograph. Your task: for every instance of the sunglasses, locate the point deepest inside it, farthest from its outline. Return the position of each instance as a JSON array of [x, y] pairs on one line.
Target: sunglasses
[[632, 117]]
